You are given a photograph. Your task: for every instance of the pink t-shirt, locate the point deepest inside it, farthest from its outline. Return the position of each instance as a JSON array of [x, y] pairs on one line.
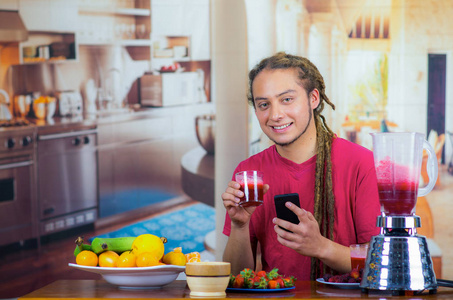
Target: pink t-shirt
[[356, 201]]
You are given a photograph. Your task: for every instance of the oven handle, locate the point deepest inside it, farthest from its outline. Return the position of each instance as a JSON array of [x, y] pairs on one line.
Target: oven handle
[[16, 165], [66, 134]]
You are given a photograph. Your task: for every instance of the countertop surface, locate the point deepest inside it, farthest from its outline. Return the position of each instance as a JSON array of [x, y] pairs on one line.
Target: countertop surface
[[89, 121], [100, 289]]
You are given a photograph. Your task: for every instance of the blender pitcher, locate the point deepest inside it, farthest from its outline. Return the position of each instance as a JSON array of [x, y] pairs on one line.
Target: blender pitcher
[[398, 160]]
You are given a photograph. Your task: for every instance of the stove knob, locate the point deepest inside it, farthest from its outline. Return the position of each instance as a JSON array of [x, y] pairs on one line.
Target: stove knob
[[76, 141], [10, 143], [86, 140], [26, 141]]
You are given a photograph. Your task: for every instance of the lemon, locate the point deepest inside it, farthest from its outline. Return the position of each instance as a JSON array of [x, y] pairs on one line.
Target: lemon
[[127, 260], [148, 243], [147, 259], [175, 257]]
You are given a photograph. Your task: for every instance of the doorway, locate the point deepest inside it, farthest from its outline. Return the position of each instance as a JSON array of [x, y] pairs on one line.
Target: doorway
[[437, 65]]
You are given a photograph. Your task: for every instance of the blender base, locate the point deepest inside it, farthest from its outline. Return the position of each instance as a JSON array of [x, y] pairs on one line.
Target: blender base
[[398, 262]]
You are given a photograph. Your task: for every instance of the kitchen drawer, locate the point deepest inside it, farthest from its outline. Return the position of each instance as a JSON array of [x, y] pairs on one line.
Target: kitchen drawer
[[134, 131]]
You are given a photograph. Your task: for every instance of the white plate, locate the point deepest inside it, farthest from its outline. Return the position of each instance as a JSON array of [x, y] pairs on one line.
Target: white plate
[[143, 277], [340, 285]]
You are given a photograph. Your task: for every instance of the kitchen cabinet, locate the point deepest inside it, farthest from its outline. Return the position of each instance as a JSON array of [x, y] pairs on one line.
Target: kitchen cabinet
[[182, 18], [135, 160], [140, 156], [48, 47], [121, 22], [49, 15], [52, 26]]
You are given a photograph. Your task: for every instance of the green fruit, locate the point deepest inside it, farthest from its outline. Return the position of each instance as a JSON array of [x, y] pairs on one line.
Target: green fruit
[[80, 246], [79, 249], [119, 245]]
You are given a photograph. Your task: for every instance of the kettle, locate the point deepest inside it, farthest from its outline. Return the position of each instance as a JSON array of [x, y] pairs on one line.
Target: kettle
[[5, 113]]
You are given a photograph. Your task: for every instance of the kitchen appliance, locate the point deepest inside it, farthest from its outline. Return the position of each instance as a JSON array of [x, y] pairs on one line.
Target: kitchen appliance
[[398, 259], [205, 130], [67, 178], [21, 105], [5, 113], [17, 182], [169, 89], [70, 103]]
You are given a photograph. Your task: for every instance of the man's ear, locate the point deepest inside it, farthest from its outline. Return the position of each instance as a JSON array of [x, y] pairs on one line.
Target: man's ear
[[314, 98]]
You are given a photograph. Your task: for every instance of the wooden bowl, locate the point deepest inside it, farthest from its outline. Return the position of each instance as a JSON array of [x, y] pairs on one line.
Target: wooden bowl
[[208, 279]]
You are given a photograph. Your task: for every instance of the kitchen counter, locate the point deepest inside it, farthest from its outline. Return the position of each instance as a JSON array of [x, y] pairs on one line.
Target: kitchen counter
[[58, 124], [100, 289]]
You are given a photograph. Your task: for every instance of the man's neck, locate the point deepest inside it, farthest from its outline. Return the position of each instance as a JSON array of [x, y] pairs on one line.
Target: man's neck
[[301, 150]]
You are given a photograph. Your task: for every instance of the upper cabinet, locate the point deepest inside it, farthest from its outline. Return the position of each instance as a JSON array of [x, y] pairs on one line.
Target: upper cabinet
[[180, 20], [125, 22], [116, 22], [49, 15], [52, 28]]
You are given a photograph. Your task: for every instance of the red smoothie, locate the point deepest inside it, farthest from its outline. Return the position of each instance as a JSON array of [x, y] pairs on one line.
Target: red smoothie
[[358, 262], [399, 198], [253, 194]]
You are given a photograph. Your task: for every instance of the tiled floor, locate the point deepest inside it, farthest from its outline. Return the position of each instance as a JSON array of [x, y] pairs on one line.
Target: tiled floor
[[441, 204]]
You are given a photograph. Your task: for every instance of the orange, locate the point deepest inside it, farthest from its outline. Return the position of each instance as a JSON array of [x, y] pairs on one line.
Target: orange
[[148, 243], [127, 260], [175, 257], [147, 259], [87, 258], [108, 259], [193, 257]]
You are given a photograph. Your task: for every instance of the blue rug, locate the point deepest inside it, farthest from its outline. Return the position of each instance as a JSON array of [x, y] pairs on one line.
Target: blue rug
[[130, 199], [186, 227]]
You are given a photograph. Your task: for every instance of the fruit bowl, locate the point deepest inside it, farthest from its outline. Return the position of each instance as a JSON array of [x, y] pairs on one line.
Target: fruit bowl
[[137, 277]]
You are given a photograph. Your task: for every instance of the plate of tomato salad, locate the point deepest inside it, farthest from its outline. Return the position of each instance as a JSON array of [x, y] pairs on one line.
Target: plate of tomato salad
[[250, 281]]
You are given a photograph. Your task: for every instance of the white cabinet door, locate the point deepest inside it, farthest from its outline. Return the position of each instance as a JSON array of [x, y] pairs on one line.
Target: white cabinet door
[[49, 15], [167, 17], [198, 23], [184, 18]]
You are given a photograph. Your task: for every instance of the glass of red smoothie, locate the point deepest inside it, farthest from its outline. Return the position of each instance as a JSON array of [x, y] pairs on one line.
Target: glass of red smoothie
[[358, 255], [252, 185]]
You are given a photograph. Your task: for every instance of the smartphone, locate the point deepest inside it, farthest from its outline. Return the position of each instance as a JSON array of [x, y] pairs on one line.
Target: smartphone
[[283, 212]]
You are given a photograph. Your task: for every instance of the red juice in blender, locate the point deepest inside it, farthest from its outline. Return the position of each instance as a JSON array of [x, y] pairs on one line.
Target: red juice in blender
[[397, 188], [399, 198]]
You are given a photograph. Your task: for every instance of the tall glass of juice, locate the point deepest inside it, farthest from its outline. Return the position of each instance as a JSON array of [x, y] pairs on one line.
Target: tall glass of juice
[[252, 185]]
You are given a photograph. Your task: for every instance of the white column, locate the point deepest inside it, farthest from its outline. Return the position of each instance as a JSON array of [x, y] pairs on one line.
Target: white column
[[229, 69], [320, 50]]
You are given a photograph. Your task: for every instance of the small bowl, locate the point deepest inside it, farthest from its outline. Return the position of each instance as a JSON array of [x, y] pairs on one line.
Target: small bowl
[[208, 279]]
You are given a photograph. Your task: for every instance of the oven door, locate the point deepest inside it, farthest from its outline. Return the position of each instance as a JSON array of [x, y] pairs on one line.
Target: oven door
[[16, 200]]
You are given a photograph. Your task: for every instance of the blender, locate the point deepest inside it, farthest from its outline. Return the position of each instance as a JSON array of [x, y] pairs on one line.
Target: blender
[[398, 259]]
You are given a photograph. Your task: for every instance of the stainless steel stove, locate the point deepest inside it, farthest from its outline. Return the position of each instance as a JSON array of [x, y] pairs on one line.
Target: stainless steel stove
[[18, 220]]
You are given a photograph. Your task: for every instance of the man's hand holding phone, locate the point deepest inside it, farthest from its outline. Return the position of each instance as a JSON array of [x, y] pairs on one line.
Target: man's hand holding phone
[[283, 212], [305, 238]]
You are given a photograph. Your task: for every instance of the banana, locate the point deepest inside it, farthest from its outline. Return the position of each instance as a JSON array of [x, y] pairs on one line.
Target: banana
[[118, 245], [80, 246]]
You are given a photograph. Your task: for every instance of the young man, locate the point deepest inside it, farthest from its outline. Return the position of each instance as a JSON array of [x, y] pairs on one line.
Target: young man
[[335, 179]]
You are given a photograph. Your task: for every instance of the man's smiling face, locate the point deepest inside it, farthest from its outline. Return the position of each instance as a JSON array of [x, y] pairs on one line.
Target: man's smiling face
[[282, 106]]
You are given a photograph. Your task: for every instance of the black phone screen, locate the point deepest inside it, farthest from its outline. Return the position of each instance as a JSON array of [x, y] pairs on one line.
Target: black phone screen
[[282, 211]]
